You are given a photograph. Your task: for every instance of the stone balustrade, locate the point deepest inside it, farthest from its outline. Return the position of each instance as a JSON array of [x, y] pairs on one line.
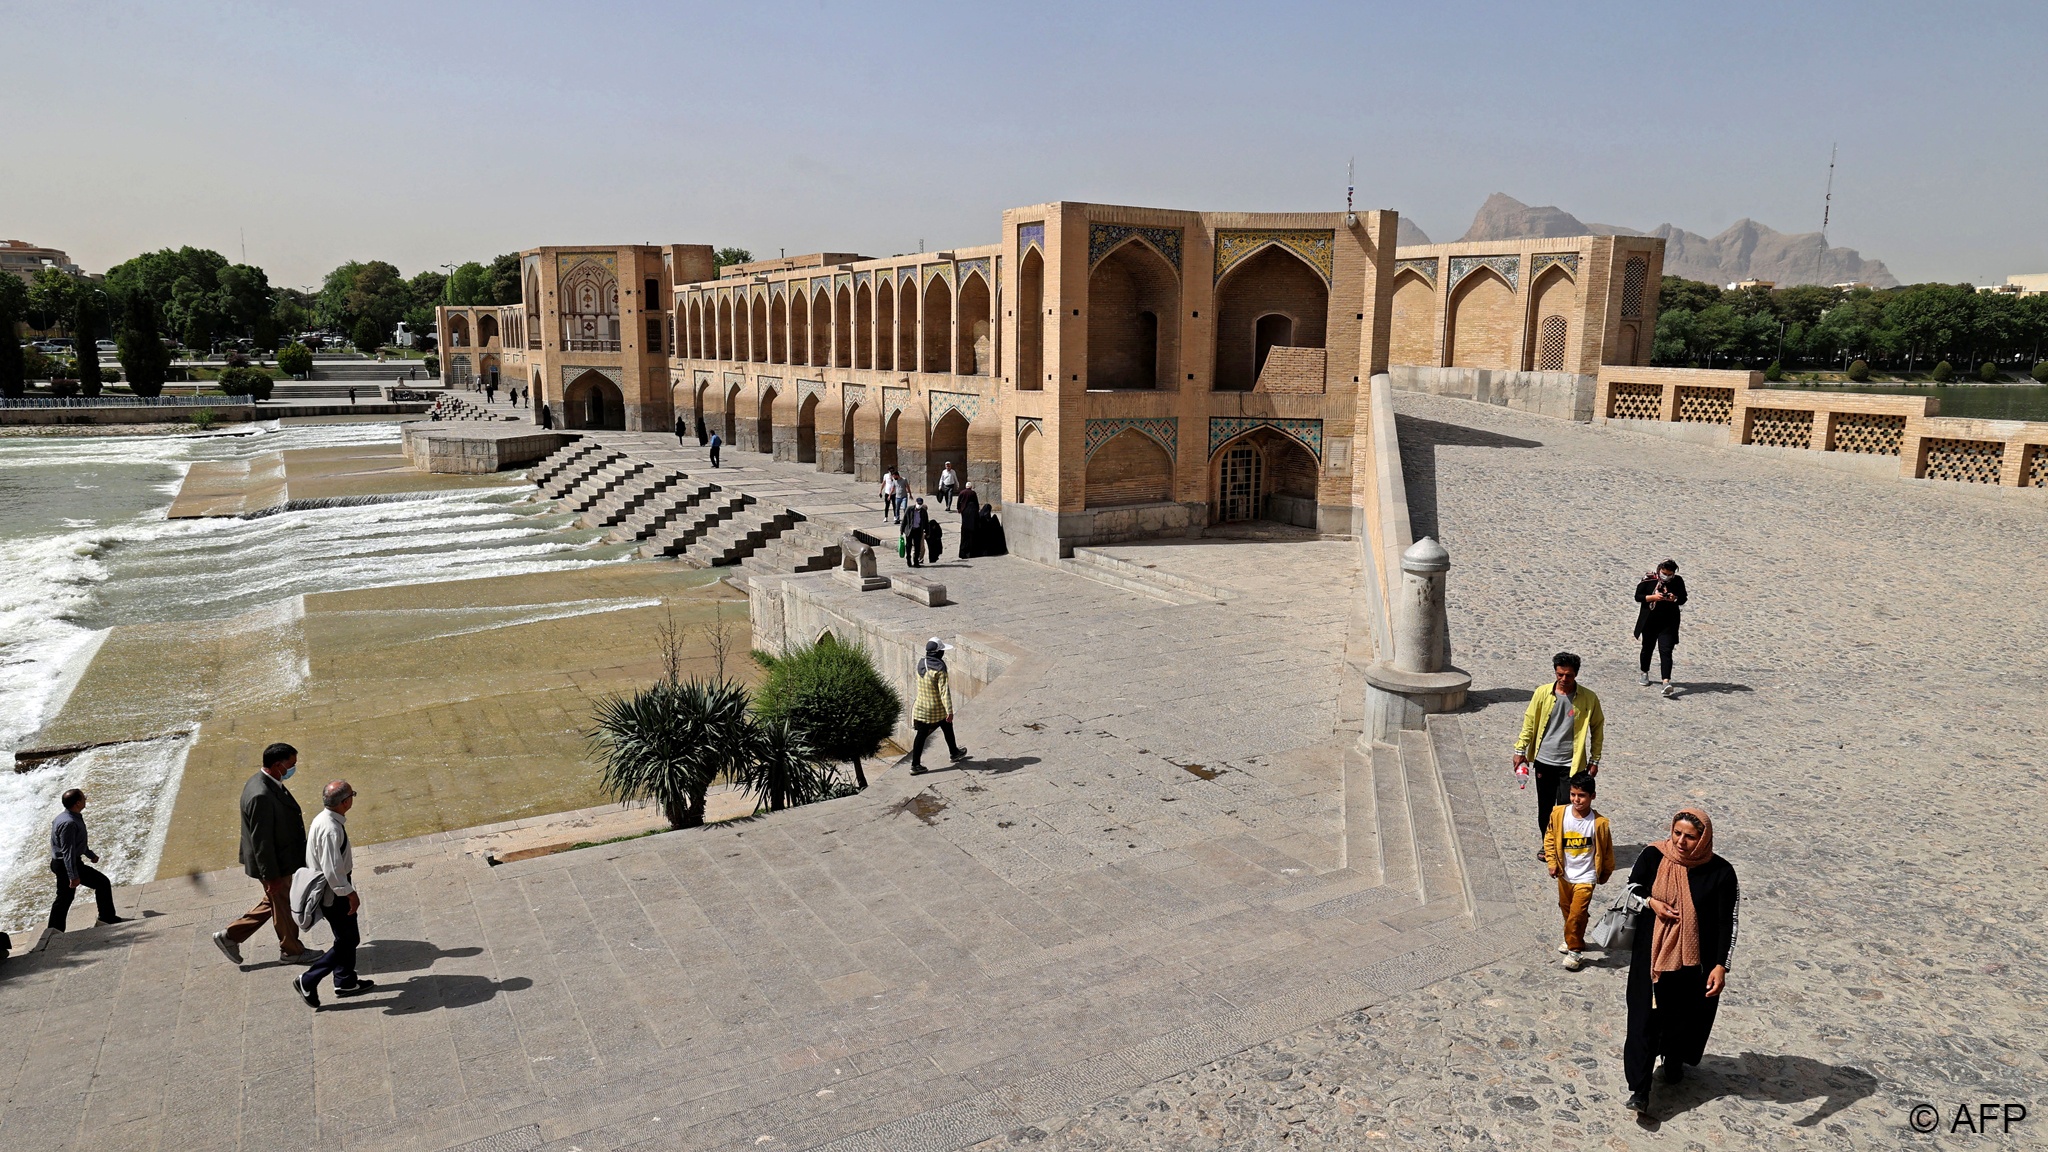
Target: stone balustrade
[[1730, 408]]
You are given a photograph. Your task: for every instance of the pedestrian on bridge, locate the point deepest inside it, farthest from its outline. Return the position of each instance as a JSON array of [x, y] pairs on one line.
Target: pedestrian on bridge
[[934, 706], [1562, 732], [330, 864], [970, 514], [949, 483], [934, 538], [1685, 937], [273, 848], [547, 415], [912, 531], [69, 851], [717, 442], [1661, 594], [682, 431], [1581, 852]]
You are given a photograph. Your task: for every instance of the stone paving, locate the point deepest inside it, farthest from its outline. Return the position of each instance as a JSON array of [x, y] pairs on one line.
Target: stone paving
[[1129, 923], [1862, 714]]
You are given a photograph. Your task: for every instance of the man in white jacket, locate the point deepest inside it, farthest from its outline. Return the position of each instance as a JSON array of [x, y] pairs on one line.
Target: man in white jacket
[[327, 852]]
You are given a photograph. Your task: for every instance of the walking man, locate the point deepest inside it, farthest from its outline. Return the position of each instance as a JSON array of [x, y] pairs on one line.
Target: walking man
[[329, 855], [1661, 594], [351, 397], [1581, 852], [1562, 733], [273, 847], [934, 707], [717, 442], [68, 855], [949, 482], [913, 533], [682, 431], [970, 510]]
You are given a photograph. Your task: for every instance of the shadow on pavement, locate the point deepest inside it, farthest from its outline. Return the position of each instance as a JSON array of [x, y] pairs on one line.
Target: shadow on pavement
[[376, 956], [425, 993], [1776, 1079], [1419, 442], [1709, 688], [1481, 697]]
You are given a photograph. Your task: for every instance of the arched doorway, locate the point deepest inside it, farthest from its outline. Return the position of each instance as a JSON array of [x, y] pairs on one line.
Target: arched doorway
[[731, 423], [1033, 466], [765, 423], [458, 331], [885, 327], [799, 328], [842, 329], [697, 405], [975, 355], [807, 430], [487, 372], [1130, 468], [846, 442], [1272, 299], [938, 326], [864, 327], [1414, 325], [486, 330], [1031, 322], [1264, 475], [888, 445], [757, 331], [821, 328], [906, 327], [534, 399], [592, 401], [948, 443], [778, 331], [1133, 320], [1480, 330]]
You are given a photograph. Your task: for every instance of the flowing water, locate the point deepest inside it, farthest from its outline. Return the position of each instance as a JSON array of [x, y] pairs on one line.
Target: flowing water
[[85, 546]]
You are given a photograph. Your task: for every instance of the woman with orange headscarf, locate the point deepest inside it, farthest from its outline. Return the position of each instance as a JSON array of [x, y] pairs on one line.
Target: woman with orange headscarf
[[1685, 936]]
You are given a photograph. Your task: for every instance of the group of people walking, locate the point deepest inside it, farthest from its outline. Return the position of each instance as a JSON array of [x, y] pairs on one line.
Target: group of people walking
[[920, 539], [1680, 901]]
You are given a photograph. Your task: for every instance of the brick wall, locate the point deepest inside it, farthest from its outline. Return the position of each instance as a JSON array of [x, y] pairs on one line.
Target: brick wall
[[1130, 281], [1272, 281], [1131, 469], [1414, 338], [1483, 323], [1293, 371]]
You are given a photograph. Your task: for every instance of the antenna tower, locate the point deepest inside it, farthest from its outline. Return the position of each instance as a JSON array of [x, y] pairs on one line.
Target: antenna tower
[[1827, 208]]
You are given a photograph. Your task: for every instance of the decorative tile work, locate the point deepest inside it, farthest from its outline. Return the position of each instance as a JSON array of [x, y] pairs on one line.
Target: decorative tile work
[[821, 284], [978, 264], [1569, 261], [567, 260], [1509, 267], [866, 276], [1635, 277], [967, 404], [1034, 423], [1030, 236], [1224, 429], [1781, 427], [1965, 461], [703, 378], [1635, 402], [763, 385], [734, 381], [1705, 405], [939, 272], [906, 276], [1425, 268], [805, 389], [852, 396], [1318, 248], [1868, 434], [780, 289], [843, 280], [1104, 237], [893, 400], [1163, 429], [572, 371]]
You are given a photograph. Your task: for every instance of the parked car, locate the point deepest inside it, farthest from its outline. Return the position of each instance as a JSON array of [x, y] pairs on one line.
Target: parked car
[[104, 345]]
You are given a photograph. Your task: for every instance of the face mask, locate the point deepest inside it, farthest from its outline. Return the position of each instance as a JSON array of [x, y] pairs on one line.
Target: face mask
[[291, 772]]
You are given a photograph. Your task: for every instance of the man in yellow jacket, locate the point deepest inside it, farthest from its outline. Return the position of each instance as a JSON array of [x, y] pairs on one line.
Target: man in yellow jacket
[[1562, 732]]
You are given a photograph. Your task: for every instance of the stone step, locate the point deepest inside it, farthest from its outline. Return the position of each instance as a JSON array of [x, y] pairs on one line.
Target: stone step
[[566, 479], [1390, 809], [629, 497], [804, 548], [620, 474], [1137, 576], [740, 536], [561, 458], [707, 515], [1488, 891], [1435, 844], [669, 508]]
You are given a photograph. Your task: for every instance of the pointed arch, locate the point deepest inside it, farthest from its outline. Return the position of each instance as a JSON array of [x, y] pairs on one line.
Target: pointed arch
[[1413, 340], [807, 430], [821, 327], [885, 326], [1272, 298], [842, 327], [907, 359], [937, 322], [1133, 319], [724, 327], [778, 331], [864, 327], [764, 423], [1553, 301], [1031, 321], [1480, 321], [974, 354], [1128, 468]]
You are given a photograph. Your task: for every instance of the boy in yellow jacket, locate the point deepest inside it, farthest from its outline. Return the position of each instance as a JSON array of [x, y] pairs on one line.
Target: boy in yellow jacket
[[1580, 851]]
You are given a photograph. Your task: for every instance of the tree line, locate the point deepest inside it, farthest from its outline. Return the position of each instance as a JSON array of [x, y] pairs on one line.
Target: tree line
[[196, 297], [1808, 326]]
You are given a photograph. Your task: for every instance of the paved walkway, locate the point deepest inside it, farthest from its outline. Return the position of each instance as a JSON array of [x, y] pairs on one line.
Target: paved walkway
[[1141, 916]]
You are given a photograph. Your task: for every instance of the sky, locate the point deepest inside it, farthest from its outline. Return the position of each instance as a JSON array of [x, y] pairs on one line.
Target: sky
[[430, 133]]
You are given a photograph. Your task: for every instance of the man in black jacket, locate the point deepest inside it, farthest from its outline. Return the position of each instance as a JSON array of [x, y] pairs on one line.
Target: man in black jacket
[[69, 851], [1661, 594], [273, 848]]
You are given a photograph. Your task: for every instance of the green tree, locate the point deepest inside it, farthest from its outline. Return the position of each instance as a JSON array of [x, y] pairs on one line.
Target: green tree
[[368, 335], [833, 698], [13, 296], [725, 256], [356, 291], [1943, 372], [295, 359], [88, 306], [1987, 372], [141, 347], [243, 381], [426, 289], [669, 742], [1859, 371], [468, 285], [504, 280], [782, 771], [2040, 372], [50, 299]]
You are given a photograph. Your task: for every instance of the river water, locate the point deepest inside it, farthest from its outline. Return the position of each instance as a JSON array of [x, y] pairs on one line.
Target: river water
[[85, 546]]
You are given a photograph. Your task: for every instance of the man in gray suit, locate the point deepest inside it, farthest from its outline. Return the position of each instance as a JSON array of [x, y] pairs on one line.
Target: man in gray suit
[[273, 848]]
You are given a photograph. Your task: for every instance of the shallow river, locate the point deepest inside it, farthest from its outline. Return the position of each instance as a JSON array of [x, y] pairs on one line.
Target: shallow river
[[85, 546]]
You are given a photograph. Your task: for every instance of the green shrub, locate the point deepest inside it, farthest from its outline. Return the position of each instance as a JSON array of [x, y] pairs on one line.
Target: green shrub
[[431, 365], [1859, 370], [295, 359], [367, 336], [63, 389], [1987, 372], [202, 419], [35, 365], [252, 382], [669, 742], [1943, 372], [783, 771], [1775, 372], [834, 700], [2040, 372]]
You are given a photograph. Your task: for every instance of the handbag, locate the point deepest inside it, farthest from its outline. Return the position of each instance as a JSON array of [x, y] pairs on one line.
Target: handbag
[[1616, 930]]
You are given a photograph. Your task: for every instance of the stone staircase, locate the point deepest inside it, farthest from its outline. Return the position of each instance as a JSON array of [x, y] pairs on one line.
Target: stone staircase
[[670, 508], [561, 458], [691, 526], [575, 472], [628, 498], [1414, 820], [1145, 579]]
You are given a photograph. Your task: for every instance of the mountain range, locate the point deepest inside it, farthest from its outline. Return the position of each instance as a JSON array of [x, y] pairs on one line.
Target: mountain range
[[1746, 250]]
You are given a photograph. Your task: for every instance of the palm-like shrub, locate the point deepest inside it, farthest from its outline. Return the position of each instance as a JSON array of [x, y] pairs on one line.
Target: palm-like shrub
[[782, 770], [668, 743], [831, 696]]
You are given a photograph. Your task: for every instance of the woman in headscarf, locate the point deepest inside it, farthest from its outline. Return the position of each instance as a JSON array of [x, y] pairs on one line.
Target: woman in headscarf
[[1685, 937]]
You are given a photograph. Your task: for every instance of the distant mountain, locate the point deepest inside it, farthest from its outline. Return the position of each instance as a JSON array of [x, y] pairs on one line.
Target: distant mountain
[[1408, 233], [1747, 250]]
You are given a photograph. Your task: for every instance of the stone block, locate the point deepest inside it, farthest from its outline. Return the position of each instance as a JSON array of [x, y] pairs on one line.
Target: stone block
[[929, 593]]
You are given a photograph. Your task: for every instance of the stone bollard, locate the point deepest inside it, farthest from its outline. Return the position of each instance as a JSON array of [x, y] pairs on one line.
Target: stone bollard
[[1418, 679]]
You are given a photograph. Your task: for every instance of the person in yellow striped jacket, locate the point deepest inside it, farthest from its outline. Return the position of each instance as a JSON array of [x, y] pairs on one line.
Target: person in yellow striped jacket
[[934, 706]]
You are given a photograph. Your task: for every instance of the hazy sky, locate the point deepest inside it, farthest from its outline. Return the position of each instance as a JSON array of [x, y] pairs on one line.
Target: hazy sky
[[431, 133]]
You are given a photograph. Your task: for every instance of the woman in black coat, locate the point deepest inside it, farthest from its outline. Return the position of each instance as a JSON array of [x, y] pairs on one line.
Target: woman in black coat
[[1685, 936], [1661, 594]]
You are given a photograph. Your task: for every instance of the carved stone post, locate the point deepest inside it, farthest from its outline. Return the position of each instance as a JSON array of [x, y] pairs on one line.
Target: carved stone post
[[1418, 679]]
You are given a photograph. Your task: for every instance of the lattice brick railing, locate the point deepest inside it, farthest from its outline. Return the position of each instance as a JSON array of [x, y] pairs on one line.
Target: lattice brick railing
[[1635, 402], [1965, 461], [2037, 467], [1781, 427], [1868, 433], [1706, 405]]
